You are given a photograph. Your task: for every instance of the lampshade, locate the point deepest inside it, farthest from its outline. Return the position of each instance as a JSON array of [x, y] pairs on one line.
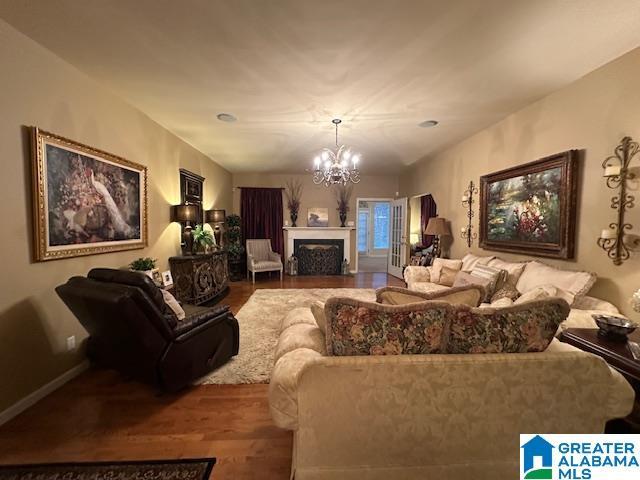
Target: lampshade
[[437, 226], [184, 213], [214, 216], [414, 238]]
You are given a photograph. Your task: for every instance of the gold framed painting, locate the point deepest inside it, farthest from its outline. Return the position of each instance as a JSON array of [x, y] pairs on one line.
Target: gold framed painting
[[85, 201]]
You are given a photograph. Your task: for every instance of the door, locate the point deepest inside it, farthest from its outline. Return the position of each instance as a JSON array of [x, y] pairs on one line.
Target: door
[[363, 231], [398, 244]]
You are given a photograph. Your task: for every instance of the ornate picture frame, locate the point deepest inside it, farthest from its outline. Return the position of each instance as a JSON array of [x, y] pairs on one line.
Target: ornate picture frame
[[85, 201], [531, 209]]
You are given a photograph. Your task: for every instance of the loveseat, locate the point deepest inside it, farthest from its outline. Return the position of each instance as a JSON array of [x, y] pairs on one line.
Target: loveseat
[[430, 416]]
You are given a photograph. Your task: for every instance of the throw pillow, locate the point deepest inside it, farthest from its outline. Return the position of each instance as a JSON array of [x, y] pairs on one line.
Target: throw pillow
[[317, 309], [464, 279], [507, 290], [448, 276], [515, 269], [173, 304], [368, 328], [576, 284], [501, 303], [469, 261], [538, 293], [403, 296], [506, 330], [439, 263], [495, 276]]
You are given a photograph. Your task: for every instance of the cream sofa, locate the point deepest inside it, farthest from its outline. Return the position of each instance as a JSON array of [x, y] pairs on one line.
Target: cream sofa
[[526, 276], [430, 416]]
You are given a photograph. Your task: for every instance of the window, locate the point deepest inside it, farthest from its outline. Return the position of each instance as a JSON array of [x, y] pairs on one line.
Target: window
[[363, 225], [381, 216]]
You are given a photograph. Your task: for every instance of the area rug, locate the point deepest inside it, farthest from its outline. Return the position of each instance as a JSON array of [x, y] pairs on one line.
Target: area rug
[[260, 320], [183, 469]]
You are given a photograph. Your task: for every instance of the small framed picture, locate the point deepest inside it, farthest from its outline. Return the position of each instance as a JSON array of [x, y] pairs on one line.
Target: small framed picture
[[167, 279], [318, 217]]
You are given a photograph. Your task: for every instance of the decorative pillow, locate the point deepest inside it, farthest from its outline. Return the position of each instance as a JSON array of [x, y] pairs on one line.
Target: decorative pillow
[[537, 293], [464, 279], [173, 304], [575, 284], [448, 276], [507, 290], [516, 329], [366, 328], [515, 269], [317, 309], [495, 276], [469, 261], [467, 295], [439, 263], [501, 303]]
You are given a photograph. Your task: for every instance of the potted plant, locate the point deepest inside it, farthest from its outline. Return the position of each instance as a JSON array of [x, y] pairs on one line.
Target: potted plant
[[293, 193], [147, 266], [343, 196], [202, 239], [233, 246]]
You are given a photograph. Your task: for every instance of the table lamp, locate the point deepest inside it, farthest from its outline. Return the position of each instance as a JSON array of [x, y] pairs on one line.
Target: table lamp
[[438, 227], [185, 214], [217, 218]]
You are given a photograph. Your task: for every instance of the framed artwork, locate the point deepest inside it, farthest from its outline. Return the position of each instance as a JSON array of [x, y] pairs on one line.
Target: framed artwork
[[85, 201], [531, 208], [191, 191], [318, 217], [167, 279]]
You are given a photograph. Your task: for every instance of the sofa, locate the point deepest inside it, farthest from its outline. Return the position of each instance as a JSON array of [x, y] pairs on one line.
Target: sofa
[[573, 286], [133, 330], [434, 415]]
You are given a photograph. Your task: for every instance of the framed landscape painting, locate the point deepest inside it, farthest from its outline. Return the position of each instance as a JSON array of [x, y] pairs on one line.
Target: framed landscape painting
[[85, 201], [318, 217], [531, 208]]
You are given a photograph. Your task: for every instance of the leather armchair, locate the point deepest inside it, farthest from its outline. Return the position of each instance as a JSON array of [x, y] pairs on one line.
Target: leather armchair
[[261, 258], [132, 330]]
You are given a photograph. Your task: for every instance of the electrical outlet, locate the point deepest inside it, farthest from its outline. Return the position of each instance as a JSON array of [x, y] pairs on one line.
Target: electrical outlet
[[71, 343]]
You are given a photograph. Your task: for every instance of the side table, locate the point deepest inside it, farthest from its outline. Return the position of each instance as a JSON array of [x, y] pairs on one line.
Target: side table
[[618, 356], [199, 278]]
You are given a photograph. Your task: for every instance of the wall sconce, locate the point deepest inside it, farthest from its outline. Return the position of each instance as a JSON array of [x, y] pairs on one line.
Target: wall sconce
[[217, 219], [614, 240], [185, 214], [467, 202]]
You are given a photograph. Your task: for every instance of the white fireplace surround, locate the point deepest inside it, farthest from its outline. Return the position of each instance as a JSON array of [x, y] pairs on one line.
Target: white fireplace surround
[[319, 233]]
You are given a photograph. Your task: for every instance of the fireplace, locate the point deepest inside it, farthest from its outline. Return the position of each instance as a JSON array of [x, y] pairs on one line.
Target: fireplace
[[319, 256]]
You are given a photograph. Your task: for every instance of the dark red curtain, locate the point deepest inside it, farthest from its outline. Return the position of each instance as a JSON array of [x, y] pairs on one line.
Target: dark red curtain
[[428, 209], [261, 213]]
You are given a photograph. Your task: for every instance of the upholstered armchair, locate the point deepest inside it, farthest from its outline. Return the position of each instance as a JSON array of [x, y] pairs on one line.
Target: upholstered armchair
[[261, 258]]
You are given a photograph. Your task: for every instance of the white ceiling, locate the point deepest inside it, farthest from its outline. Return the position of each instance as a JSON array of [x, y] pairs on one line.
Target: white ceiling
[[285, 68]]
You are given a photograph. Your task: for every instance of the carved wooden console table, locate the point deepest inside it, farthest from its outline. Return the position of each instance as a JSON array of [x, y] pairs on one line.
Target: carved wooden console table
[[199, 278]]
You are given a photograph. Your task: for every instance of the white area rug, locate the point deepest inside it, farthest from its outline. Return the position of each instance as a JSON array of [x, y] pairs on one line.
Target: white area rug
[[260, 320]]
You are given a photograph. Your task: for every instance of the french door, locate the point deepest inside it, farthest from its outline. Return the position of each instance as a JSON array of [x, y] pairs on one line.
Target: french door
[[398, 246]]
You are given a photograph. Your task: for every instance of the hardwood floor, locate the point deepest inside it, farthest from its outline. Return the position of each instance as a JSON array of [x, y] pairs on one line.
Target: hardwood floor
[[101, 416]]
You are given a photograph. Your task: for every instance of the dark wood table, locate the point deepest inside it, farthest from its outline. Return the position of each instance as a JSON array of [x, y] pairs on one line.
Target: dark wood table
[[618, 356]]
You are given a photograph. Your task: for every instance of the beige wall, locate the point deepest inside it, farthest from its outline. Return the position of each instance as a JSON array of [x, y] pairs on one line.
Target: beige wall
[[319, 195], [592, 115], [37, 88]]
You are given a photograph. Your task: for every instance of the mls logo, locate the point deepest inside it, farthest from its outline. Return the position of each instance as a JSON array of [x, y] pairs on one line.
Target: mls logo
[[537, 459]]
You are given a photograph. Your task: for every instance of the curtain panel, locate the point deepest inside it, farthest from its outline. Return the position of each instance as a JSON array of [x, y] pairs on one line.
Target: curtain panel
[[261, 214], [428, 209]]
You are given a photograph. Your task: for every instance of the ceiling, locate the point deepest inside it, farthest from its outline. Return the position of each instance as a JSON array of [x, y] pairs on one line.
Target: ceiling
[[285, 68]]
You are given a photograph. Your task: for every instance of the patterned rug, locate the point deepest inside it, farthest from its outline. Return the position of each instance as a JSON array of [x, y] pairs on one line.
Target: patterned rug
[[260, 320], [183, 469]]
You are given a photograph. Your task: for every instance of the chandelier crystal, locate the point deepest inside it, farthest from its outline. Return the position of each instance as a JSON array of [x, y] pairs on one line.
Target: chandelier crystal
[[336, 167]]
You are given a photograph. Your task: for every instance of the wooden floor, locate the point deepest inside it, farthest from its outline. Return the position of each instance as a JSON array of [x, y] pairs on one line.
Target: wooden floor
[[100, 416]]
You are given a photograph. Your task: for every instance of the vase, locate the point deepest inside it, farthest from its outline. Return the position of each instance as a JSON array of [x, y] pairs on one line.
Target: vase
[[294, 217], [343, 218]]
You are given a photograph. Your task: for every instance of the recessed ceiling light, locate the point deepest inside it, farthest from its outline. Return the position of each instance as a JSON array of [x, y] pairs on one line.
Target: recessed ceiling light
[[226, 117], [428, 123]]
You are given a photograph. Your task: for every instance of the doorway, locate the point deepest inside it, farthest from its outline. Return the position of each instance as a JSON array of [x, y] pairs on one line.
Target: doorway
[[373, 234]]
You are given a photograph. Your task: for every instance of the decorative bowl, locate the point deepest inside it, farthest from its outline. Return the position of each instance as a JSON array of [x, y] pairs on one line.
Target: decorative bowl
[[614, 327]]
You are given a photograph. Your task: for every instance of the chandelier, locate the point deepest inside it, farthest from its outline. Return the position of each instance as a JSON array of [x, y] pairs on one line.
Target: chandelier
[[336, 167]]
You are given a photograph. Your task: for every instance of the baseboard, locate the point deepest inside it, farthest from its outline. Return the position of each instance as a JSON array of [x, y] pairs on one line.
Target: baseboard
[[31, 399]]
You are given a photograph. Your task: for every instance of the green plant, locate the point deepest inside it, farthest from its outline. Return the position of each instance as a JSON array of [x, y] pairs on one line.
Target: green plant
[[143, 264], [233, 235], [202, 237]]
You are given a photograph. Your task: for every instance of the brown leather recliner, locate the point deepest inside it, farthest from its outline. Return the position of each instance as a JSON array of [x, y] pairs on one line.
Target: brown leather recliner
[[133, 331]]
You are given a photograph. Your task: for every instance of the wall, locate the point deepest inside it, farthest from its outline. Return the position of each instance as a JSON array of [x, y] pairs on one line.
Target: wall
[[318, 195], [592, 115], [39, 89]]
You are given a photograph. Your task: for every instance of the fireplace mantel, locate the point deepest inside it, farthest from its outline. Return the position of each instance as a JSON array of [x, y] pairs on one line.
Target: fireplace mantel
[[319, 233]]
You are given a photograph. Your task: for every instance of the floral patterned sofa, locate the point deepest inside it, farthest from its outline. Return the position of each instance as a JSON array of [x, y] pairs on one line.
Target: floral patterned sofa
[[431, 414]]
